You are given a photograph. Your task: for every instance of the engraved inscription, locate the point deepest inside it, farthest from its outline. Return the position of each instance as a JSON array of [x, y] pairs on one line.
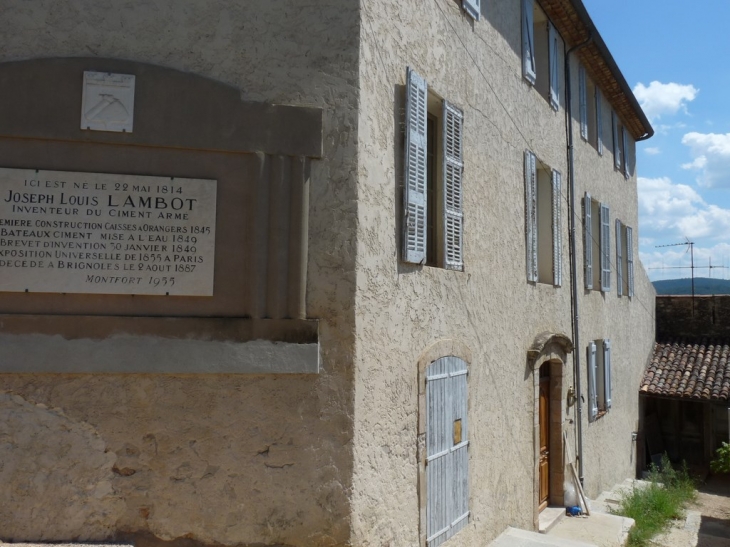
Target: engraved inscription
[[99, 233]]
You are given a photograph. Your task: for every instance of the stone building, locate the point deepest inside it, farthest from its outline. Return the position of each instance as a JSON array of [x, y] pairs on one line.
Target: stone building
[[391, 337]]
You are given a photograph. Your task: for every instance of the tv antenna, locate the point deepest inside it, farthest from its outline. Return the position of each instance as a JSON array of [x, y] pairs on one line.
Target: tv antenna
[[691, 266]]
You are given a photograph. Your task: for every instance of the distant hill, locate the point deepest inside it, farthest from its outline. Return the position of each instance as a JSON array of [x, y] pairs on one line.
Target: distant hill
[[703, 285]]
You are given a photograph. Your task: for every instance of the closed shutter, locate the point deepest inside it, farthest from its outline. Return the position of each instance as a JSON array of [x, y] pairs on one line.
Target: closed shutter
[[472, 7], [583, 100], [619, 262], [605, 249], [531, 215], [414, 192], [554, 59], [557, 230], [529, 70], [453, 124], [616, 148], [447, 456], [592, 373], [599, 121], [630, 258], [588, 241], [607, 373], [625, 146]]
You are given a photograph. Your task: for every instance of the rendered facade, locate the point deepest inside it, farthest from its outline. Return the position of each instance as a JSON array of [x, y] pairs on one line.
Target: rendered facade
[[388, 357]]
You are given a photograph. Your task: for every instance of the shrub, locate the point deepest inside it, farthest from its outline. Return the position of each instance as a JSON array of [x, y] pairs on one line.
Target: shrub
[[721, 463]]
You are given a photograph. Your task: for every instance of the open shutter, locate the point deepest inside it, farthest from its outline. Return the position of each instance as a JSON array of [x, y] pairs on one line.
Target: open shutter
[[529, 70], [583, 100], [453, 124], [554, 58], [592, 373], [599, 121], [472, 8], [616, 148], [605, 249], [588, 241], [557, 231], [619, 262], [625, 146], [607, 373], [630, 258], [414, 192], [531, 215]]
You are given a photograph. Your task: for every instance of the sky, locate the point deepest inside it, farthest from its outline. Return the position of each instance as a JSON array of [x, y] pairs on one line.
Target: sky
[[675, 56]]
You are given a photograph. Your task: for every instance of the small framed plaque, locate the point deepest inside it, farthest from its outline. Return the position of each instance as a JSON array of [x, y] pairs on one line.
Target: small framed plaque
[[107, 103]]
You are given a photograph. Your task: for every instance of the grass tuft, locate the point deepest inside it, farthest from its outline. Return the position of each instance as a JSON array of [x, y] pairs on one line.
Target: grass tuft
[[656, 505]]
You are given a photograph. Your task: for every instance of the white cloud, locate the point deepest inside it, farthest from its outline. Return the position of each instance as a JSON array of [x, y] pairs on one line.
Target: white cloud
[[711, 156], [658, 99], [652, 150], [663, 204]]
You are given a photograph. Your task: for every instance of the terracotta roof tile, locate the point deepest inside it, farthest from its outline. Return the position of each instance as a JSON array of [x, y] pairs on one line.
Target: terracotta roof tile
[[689, 369]]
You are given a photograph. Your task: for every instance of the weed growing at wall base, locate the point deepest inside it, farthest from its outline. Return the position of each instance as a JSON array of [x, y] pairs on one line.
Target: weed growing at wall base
[[655, 506]]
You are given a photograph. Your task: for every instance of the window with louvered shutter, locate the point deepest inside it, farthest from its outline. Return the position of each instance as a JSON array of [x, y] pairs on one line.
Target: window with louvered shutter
[[529, 68], [630, 258], [414, 192], [606, 375], [453, 123], [588, 240], [583, 102], [592, 373], [605, 242], [473, 8], [619, 260], [625, 146], [554, 61], [617, 161], [557, 230], [531, 215], [599, 121]]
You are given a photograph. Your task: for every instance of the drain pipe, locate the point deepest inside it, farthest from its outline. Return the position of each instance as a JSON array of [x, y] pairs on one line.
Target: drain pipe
[[573, 259]]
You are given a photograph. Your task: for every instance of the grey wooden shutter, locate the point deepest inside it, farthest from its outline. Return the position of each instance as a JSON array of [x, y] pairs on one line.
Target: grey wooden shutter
[[607, 373], [447, 456], [554, 60], [529, 70], [557, 230], [592, 373], [625, 146], [531, 215], [453, 166], [588, 241], [472, 7], [414, 191], [630, 258], [599, 121], [616, 148], [619, 261], [605, 244], [583, 101]]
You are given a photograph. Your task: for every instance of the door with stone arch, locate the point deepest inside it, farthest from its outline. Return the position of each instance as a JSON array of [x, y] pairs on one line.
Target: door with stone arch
[[544, 418]]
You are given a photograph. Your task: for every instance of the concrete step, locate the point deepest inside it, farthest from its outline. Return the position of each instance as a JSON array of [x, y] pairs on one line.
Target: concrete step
[[549, 517], [601, 529], [513, 537]]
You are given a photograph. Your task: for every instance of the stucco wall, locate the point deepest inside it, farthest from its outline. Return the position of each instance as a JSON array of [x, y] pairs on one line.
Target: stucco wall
[[490, 308], [226, 459]]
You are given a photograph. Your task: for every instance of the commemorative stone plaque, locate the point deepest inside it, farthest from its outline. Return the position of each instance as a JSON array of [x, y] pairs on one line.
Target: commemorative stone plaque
[[97, 233]]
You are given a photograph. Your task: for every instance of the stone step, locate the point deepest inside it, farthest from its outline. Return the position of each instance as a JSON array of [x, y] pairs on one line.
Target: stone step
[[601, 529], [513, 537]]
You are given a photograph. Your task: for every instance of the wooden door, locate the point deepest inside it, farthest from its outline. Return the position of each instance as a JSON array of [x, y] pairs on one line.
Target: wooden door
[[544, 437]]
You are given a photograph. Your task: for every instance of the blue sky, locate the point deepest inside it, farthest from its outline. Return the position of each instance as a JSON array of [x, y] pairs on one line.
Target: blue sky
[[676, 57]]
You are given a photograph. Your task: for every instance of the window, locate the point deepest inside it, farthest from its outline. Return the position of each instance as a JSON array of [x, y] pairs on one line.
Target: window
[[621, 145], [433, 232], [624, 259], [447, 445], [599, 378], [596, 244], [543, 222], [472, 7], [541, 65], [591, 125]]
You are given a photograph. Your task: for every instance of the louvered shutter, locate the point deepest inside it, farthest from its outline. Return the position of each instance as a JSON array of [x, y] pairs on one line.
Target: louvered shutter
[[592, 374], [583, 100], [529, 70], [472, 7], [599, 121], [557, 231], [554, 59], [588, 241], [453, 130], [619, 262], [605, 249], [607, 373], [616, 148], [625, 146], [630, 258], [531, 215], [414, 192]]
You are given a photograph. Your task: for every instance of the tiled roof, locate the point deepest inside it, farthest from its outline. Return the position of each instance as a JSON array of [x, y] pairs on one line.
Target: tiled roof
[[690, 369]]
